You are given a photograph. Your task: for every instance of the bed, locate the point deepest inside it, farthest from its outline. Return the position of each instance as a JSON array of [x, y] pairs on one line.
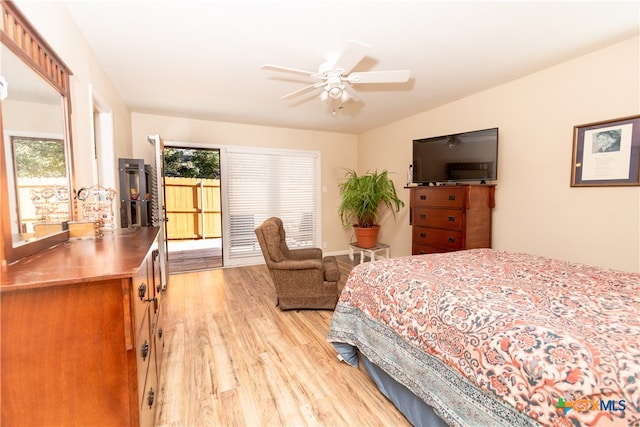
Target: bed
[[484, 337]]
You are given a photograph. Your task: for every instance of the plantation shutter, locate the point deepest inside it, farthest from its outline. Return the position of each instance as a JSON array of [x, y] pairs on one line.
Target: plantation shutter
[[265, 183]]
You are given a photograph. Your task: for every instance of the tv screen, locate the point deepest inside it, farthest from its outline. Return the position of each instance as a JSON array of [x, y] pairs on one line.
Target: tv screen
[[468, 156]]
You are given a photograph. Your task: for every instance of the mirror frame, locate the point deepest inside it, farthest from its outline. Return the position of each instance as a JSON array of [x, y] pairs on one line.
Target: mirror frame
[[17, 34]]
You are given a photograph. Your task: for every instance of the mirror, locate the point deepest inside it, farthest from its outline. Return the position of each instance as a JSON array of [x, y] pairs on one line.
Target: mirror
[[37, 189], [33, 128]]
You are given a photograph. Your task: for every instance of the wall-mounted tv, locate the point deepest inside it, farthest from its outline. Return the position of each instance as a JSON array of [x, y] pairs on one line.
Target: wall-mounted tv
[[461, 157]]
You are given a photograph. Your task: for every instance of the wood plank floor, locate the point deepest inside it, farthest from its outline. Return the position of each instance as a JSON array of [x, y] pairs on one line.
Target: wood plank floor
[[231, 358], [194, 259]]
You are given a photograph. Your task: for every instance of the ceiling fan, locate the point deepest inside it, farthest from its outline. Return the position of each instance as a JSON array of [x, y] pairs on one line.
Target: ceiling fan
[[336, 78]]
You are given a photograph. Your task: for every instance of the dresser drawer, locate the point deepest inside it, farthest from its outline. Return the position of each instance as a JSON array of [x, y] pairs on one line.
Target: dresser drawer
[[142, 291], [448, 239], [150, 396], [159, 335], [445, 197], [450, 219], [144, 354], [424, 249]]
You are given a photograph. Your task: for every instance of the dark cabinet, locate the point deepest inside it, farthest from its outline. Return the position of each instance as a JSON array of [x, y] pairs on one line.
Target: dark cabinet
[[135, 193]]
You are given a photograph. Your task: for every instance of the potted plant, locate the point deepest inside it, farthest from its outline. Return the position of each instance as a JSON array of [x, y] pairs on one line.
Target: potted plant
[[362, 197]]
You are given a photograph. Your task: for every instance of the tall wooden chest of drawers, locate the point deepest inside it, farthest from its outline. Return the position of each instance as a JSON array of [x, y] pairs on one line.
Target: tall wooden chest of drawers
[[451, 217]]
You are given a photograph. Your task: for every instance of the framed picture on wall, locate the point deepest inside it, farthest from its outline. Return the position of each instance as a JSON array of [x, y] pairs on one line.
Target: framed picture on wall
[[606, 153]]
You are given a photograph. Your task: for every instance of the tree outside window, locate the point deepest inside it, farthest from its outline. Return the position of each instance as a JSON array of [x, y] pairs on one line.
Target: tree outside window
[[39, 158], [192, 163]]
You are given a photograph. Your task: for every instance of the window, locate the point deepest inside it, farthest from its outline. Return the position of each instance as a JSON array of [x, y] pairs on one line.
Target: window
[[265, 183]]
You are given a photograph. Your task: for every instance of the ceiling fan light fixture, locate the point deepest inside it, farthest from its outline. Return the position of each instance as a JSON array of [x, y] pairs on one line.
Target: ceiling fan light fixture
[[334, 87], [335, 92]]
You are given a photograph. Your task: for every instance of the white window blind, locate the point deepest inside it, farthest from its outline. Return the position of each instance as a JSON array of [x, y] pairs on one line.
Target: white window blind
[[266, 183]]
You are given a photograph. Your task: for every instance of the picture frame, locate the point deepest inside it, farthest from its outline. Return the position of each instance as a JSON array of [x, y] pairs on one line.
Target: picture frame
[[606, 153]]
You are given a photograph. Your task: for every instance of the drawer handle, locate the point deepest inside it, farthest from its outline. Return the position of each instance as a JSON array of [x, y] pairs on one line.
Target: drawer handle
[[423, 235], [451, 218], [160, 333], [423, 252], [451, 239], [423, 197], [423, 216], [144, 350], [142, 290], [151, 397], [452, 197]]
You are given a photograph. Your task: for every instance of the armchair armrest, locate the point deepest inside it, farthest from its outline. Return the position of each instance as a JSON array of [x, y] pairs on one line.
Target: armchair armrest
[[302, 264], [306, 253]]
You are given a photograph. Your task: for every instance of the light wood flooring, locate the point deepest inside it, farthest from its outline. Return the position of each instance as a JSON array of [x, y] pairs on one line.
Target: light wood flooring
[[231, 358], [195, 259]]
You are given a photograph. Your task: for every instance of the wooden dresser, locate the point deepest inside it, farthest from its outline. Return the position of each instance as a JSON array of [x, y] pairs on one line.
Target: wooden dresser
[[82, 333], [450, 217]]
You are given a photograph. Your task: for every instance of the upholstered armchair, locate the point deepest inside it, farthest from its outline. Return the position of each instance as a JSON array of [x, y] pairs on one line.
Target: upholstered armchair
[[302, 277]]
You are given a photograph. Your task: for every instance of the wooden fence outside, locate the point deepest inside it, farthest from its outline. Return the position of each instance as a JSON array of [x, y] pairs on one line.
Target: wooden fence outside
[[193, 208]]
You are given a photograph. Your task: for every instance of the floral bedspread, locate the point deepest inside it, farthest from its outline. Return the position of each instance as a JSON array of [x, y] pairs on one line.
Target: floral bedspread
[[489, 337]]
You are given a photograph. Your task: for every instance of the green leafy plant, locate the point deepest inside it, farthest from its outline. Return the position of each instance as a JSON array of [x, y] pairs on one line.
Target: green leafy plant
[[39, 158], [192, 163], [363, 195]]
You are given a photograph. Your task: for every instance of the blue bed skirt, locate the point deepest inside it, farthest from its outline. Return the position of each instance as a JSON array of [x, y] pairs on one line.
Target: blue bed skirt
[[411, 406]]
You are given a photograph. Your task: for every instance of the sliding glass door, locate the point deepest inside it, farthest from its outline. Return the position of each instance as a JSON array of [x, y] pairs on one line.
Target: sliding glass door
[[261, 183]]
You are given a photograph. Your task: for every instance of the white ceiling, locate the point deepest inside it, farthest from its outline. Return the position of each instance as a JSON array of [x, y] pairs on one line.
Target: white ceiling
[[202, 59]]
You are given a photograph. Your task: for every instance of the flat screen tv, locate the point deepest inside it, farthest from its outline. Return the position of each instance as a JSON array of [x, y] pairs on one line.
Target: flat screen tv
[[461, 157]]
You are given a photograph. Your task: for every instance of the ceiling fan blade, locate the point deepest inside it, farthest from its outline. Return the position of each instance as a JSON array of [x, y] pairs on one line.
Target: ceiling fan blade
[[288, 70], [352, 93], [351, 56], [302, 90], [395, 76]]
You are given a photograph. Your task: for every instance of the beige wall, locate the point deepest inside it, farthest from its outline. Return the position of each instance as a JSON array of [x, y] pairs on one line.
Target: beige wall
[[536, 209], [337, 152], [89, 80]]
